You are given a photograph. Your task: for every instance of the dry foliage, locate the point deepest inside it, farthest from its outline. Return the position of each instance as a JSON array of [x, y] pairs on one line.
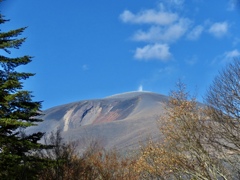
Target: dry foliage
[[93, 163], [185, 152]]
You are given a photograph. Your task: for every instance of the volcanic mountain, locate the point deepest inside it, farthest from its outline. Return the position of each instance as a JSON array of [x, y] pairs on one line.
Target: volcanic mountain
[[120, 121]]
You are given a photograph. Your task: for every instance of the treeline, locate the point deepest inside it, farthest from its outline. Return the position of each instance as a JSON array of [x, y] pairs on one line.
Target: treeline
[[198, 141]]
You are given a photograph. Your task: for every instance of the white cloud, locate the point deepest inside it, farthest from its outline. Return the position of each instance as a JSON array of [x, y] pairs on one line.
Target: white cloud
[[232, 54], [175, 31], [163, 34], [149, 17], [227, 56], [219, 29], [153, 34], [195, 33], [165, 26], [155, 51]]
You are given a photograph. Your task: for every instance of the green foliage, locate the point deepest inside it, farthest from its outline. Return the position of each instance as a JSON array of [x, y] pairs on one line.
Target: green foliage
[[17, 111]]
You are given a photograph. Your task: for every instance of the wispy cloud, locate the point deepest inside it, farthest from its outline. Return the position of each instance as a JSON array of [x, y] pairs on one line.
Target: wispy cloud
[[195, 33], [156, 51], [191, 60], [85, 67], [167, 70], [176, 2], [158, 75], [164, 34], [219, 29], [231, 54], [232, 5], [149, 17], [226, 57], [236, 41], [174, 5]]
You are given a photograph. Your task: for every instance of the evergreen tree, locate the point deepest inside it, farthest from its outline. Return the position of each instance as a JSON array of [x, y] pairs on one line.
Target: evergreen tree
[[17, 111]]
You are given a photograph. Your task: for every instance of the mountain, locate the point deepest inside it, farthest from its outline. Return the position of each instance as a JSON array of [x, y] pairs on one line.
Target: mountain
[[120, 121]]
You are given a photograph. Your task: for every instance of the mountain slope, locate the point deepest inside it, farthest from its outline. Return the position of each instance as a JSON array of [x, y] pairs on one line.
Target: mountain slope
[[119, 121]]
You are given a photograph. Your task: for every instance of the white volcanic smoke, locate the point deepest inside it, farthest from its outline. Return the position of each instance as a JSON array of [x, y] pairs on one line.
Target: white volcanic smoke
[[140, 88]]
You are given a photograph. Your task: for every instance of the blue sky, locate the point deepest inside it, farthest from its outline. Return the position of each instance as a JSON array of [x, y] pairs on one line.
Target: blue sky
[[93, 49]]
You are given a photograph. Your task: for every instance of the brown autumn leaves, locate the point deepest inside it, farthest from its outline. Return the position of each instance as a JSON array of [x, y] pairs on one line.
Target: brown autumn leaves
[[198, 141]]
